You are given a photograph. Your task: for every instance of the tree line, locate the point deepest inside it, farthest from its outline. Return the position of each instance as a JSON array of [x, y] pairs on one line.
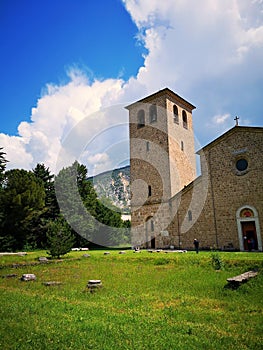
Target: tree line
[[36, 206]]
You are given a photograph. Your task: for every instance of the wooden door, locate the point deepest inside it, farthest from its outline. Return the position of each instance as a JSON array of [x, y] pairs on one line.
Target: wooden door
[[249, 235]]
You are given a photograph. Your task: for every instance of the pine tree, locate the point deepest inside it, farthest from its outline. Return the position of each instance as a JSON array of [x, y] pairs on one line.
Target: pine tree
[[91, 218], [59, 238], [3, 162], [23, 201], [51, 204], [77, 199]]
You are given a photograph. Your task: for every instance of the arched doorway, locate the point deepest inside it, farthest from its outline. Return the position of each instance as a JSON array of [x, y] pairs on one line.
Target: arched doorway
[[248, 229], [150, 236]]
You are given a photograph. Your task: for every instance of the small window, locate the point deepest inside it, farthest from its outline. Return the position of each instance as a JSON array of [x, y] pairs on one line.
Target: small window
[[185, 120], [141, 119], [152, 225], [153, 113], [190, 217], [147, 146], [175, 113], [182, 145], [241, 164], [149, 191]]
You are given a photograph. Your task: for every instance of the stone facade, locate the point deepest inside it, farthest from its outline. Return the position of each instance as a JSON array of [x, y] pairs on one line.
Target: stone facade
[[223, 207], [162, 160]]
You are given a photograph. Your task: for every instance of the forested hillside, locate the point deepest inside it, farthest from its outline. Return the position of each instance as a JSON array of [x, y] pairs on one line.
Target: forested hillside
[[115, 185]]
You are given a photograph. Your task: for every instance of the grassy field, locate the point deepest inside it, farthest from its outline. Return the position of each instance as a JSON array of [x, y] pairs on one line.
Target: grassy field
[[148, 301]]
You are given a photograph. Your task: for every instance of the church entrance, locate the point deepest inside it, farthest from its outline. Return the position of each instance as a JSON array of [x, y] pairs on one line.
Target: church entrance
[[248, 229], [149, 234], [153, 243], [249, 235]]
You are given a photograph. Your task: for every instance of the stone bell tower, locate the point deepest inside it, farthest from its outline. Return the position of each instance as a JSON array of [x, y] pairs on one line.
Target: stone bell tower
[[162, 162]]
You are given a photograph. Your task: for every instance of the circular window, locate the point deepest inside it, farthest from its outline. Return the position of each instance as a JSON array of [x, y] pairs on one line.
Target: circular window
[[241, 164]]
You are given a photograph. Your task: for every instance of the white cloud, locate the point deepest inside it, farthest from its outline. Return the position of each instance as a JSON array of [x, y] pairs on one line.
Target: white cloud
[[191, 40], [221, 119], [59, 110], [219, 123], [98, 158], [208, 51], [16, 154]]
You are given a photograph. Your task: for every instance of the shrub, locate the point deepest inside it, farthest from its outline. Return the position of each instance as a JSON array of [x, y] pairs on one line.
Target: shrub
[[59, 238], [217, 261]]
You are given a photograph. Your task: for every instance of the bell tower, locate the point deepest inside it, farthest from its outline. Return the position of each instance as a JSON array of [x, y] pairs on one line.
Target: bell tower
[[162, 162]]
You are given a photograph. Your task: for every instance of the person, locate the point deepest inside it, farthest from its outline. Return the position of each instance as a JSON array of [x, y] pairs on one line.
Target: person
[[252, 242], [196, 244], [249, 243]]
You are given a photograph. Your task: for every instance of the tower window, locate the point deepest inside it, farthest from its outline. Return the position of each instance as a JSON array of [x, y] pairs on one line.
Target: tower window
[[152, 225], [147, 146], [141, 119], [190, 217], [185, 120], [149, 191], [175, 112], [153, 113], [182, 145]]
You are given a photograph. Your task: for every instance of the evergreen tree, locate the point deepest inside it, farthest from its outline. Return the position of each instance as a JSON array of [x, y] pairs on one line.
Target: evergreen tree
[[51, 211], [77, 199], [59, 238], [51, 204], [3, 162], [114, 231], [22, 201], [85, 188], [94, 220]]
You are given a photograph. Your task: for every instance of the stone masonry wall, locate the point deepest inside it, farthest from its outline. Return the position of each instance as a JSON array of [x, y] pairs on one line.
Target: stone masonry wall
[[227, 191], [181, 147], [155, 157]]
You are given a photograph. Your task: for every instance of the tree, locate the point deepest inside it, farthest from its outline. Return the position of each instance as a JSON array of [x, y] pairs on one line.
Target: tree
[[3, 162], [114, 231], [95, 220], [22, 202], [51, 204], [51, 211], [59, 238], [77, 199]]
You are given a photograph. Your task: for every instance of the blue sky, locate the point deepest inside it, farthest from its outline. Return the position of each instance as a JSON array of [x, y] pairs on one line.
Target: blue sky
[[64, 61], [41, 40]]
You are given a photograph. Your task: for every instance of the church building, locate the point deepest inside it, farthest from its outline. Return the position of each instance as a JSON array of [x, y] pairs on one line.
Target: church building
[[170, 205]]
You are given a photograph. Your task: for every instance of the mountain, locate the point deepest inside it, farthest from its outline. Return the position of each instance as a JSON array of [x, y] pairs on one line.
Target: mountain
[[115, 185]]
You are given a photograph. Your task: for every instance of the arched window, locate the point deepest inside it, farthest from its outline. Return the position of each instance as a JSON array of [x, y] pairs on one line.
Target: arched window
[[184, 119], [149, 191], [153, 113], [141, 119], [190, 216], [152, 225], [182, 145], [147, 146], [175, 112]]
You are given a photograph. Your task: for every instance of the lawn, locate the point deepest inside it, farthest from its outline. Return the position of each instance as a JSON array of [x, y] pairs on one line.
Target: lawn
[[148, 301]]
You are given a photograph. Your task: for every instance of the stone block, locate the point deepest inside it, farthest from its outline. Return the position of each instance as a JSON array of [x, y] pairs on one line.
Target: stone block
[[28, 277]]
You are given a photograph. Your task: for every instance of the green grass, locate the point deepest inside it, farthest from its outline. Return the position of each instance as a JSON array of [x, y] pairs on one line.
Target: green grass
[[148, 301]]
